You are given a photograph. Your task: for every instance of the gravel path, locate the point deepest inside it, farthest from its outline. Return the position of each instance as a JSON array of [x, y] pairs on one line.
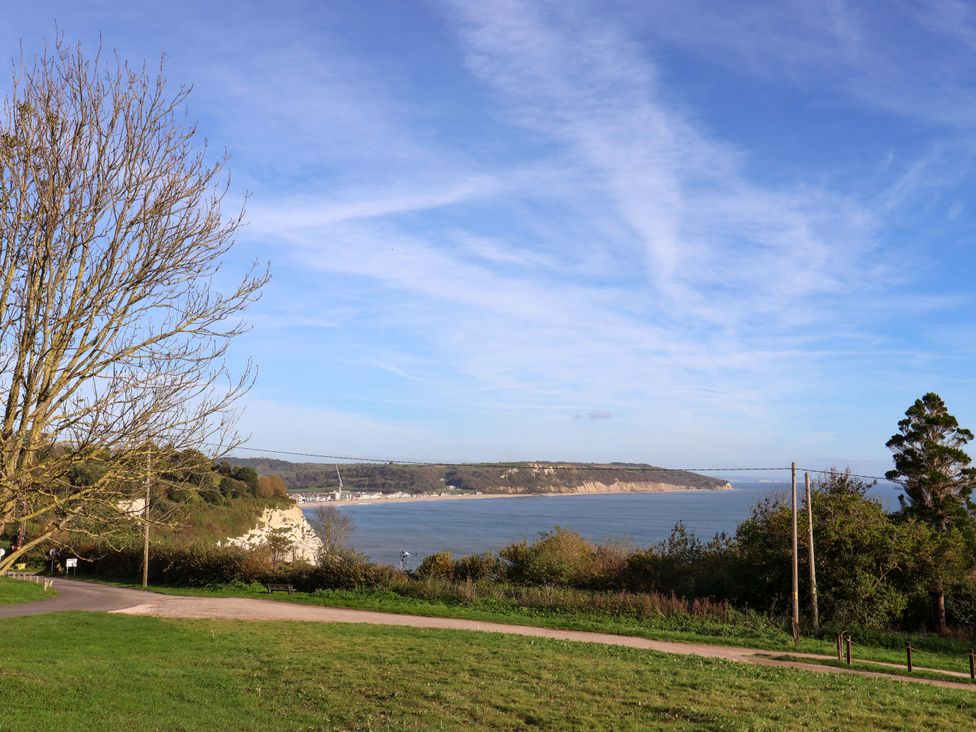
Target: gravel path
[[73, 595]]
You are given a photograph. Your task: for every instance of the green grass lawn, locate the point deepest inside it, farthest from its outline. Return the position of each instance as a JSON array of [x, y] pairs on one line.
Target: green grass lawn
[[944, 654], [77, 671], [13, 591]]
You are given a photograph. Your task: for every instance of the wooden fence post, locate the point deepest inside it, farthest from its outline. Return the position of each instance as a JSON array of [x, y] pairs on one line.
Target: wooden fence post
[[848, 650], [908, 650]]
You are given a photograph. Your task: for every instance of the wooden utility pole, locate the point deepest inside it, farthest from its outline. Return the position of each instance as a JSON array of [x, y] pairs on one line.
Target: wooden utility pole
[[796, 565], [145, 528], [814, 610]]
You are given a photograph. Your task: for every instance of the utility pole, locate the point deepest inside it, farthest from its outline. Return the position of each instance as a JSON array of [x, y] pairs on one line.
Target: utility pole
[[796, 566], [814, 611], [145, 528]]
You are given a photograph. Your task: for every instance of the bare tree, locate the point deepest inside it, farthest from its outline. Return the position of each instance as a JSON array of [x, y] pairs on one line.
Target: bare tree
[[333, 528], [112, 330]]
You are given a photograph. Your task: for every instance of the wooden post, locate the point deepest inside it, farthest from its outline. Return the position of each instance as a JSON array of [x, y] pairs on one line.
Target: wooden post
[[145, 534], [796, 566], [848, 650], [840, 643], [908, 652], [972, 664], [814, 610]]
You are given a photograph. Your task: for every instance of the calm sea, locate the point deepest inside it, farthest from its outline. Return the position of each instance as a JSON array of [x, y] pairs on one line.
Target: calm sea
[[382, 530]]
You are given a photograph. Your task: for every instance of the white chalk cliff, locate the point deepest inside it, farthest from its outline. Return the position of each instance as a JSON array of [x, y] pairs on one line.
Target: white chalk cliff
[[288, 522]]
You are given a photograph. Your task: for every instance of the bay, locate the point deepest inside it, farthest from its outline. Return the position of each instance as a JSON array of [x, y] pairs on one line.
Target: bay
[[383, 529]]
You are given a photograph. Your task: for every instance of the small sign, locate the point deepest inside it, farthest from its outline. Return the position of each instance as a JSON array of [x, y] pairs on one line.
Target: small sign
[[69, 563], [2, 552]]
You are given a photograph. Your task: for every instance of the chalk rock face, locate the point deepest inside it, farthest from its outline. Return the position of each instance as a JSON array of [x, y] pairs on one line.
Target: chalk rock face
[[593, 486], [288, 522]]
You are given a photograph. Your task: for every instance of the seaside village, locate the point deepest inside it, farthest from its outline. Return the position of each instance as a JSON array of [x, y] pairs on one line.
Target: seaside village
[[341, 495], [346, 495]]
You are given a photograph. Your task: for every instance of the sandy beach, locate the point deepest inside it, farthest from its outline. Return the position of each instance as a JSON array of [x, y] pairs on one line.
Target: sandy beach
[[473, 497]]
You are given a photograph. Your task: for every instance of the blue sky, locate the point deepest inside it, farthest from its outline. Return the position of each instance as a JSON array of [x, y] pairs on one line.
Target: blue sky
[[687, 233]]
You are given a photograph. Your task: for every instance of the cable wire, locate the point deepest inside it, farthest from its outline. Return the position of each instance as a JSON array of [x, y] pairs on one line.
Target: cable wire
[[558, 466]]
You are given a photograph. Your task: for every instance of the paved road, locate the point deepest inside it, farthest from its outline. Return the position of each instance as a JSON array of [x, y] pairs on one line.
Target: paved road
[[74, 595]]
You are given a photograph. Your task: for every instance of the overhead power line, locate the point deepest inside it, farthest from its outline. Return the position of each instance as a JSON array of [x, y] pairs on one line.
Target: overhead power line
[[551, 465]]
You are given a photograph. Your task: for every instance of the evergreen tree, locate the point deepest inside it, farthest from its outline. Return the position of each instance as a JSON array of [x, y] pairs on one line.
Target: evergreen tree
[[931, 464], [934, 471]]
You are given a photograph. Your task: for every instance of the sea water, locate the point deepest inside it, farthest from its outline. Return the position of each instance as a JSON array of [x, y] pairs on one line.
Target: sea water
[[383, 529]]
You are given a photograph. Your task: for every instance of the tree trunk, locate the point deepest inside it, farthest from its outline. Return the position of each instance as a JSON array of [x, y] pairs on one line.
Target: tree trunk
[[940, 613]]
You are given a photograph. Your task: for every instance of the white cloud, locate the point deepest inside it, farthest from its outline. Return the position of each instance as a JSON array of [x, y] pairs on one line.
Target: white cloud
[[686, 293]]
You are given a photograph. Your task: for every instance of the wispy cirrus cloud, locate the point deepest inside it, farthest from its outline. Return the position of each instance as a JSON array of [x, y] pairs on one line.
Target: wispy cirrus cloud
[[709, 220], [717, 245], [670, 280]]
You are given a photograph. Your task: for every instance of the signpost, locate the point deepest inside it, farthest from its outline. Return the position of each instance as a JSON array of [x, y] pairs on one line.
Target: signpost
[[70, 564]]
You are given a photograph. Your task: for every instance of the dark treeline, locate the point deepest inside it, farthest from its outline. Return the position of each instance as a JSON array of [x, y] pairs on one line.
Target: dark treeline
[[535, 477]]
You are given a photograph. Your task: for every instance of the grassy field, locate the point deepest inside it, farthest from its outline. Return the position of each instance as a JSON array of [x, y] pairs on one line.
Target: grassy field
[[104, 672], [933, 652], [12, 591]]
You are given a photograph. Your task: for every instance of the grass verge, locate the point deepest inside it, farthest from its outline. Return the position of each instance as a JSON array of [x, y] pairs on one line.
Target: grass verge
[[71, 672], [14, 591]]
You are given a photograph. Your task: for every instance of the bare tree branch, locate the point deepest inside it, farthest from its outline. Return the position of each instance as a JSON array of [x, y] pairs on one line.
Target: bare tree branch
[[112, 334]]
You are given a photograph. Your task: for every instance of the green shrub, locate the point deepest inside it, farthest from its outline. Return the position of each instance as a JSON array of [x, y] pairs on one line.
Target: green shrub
[[560, 557], [200, 565], [439, 565], [477, 567], [347, 572]]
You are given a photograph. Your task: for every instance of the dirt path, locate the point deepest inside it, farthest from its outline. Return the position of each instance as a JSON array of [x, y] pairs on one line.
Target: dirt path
[[85, 596], [249, 609]]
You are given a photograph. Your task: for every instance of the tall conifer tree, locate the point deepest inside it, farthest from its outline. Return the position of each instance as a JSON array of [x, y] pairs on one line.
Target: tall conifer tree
[[934, 471]]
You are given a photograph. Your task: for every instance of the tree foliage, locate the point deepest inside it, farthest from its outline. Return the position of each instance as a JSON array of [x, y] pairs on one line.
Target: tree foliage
[[931, 464], [938, 482]]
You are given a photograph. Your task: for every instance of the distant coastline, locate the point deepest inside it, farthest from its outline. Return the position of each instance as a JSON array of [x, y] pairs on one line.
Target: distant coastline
[[421, 498]]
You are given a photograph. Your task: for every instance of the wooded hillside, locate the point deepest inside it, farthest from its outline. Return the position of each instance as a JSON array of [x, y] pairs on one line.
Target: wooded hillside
[[525, 477]]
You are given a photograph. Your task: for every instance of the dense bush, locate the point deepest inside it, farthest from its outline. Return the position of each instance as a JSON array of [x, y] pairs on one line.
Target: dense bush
[[346, 572], [436, 566], [191, 565], [560, 557], [476, 567], [868, 569]]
